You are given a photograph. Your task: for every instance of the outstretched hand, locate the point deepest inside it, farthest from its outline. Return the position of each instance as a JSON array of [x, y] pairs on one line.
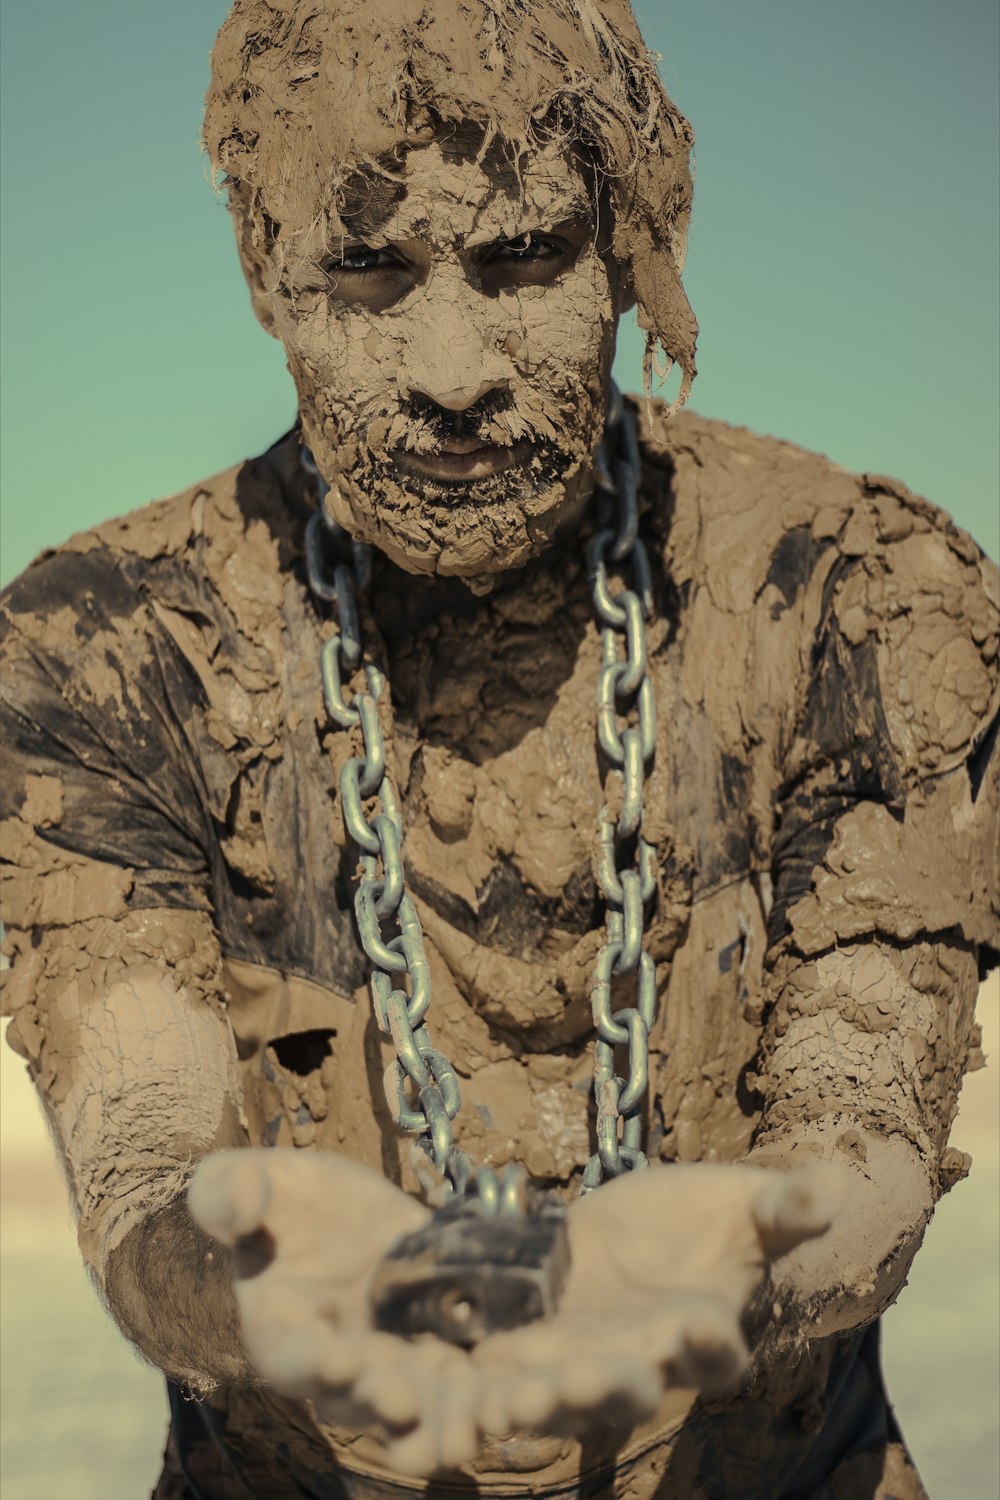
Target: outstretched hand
[[664, 1262]]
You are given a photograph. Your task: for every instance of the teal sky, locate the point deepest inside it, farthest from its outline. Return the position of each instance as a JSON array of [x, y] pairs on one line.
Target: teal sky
[[843, 260]]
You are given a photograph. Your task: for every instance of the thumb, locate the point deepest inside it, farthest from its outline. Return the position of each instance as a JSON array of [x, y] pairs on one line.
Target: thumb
[[229, 1194], [790, 1207]]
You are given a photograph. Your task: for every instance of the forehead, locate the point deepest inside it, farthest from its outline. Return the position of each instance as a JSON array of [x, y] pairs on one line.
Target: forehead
[[449, 192]]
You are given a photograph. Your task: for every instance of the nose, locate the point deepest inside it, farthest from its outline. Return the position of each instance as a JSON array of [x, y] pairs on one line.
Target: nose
[[452, 356], [456, 398]]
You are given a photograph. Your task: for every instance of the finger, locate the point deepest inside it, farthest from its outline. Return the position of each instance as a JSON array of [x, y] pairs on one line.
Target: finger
[[391, 1392], [546, 1375], [459, 1433], [493, 1415], [790, 1207], [659, 1336], [627, 1382], [229, 1194], [409, 1382], [419, 1453], [340, 1362], [531, 1398], [290, 1347], [519, 1372], [414, 1455], [349, 1371]]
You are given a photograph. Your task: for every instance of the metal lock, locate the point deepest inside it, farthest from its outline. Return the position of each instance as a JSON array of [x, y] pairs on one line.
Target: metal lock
[[467, 1274]]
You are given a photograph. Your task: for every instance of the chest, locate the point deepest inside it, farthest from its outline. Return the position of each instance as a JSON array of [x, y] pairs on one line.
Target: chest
[[502, 806], [493, 740], [498, 762]]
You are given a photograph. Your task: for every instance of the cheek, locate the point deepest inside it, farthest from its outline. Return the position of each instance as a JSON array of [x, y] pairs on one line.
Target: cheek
[[338, 362], [566, 330], [549, 344]]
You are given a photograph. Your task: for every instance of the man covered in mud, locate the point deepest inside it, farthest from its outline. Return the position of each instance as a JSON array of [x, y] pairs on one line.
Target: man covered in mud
[[310, 830]]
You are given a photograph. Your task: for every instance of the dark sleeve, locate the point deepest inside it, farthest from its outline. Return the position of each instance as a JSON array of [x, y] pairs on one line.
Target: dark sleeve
[[101, 799], [886, 905], [888, 813]]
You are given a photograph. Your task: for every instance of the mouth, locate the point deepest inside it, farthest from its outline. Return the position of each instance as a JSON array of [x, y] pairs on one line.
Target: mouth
[[464, 460]]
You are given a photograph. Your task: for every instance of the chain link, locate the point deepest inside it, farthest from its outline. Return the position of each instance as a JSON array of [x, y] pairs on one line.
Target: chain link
[[626, 868]]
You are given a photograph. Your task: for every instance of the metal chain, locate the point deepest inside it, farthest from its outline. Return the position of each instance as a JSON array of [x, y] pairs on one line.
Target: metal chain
[[626, 869], [421, 1088]]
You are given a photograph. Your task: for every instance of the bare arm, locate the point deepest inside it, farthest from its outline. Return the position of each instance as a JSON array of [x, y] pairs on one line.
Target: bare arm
[[171, 1292], [115, 986], [128, 1041], [867, 1047], [886, 899]]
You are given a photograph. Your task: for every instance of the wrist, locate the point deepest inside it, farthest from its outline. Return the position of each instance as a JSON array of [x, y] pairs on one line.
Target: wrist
[[850, 1275], [169, 1287]]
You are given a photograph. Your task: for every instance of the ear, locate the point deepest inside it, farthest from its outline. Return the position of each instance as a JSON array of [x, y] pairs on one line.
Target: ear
[[256, 270]]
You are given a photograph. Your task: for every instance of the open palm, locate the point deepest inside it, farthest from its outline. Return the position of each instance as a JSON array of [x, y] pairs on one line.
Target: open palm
[[664, 1262]]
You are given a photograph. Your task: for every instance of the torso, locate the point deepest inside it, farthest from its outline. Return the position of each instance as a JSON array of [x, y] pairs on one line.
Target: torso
[[493, 748], [494, 751]]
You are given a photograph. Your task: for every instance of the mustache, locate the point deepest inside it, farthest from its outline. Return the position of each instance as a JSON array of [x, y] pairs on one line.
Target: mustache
[[419, 425], [440, 423]]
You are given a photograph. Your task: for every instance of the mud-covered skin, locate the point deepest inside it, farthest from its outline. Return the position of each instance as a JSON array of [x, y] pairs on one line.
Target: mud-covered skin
[[662, 1264], [825, 659]]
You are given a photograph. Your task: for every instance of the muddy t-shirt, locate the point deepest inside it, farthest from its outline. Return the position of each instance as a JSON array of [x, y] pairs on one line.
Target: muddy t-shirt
[[824, 658]]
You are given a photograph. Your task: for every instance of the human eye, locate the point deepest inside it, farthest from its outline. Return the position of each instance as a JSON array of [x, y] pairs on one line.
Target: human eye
[[361, 259], [531, 246]]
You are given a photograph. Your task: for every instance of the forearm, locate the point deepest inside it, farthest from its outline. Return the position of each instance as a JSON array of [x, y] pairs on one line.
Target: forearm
[[169, 1287], [127, 1037], [865, 1047]]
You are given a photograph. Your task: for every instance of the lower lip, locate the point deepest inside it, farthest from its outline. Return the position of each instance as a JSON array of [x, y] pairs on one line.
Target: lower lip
[[453, 468]]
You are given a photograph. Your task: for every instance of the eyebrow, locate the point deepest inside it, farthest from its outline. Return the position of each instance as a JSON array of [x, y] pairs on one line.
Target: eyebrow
[[572, 223]]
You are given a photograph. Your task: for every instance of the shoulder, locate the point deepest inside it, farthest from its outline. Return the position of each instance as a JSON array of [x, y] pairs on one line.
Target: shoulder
[[860, 568], [755, 508], [744, 511], [220, 539]]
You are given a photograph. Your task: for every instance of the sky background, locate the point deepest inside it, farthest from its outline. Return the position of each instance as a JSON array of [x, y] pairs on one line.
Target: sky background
[[843, 259]]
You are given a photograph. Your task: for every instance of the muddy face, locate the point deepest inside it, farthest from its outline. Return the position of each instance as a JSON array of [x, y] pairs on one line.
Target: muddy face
[[452, 352]]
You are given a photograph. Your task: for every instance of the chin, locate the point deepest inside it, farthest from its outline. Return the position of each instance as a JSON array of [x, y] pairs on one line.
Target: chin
[[482, 557], [473, 551]]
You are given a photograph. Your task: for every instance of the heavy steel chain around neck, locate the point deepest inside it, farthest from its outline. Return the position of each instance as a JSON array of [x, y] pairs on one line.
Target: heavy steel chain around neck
[[626, 867], [421, 1088]]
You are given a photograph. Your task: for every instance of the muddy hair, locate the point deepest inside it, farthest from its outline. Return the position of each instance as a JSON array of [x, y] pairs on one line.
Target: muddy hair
[[309, 96]]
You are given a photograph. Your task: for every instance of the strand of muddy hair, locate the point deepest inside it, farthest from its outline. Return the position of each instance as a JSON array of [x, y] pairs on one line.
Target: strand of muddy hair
[[626, 870], [421, 1087]]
